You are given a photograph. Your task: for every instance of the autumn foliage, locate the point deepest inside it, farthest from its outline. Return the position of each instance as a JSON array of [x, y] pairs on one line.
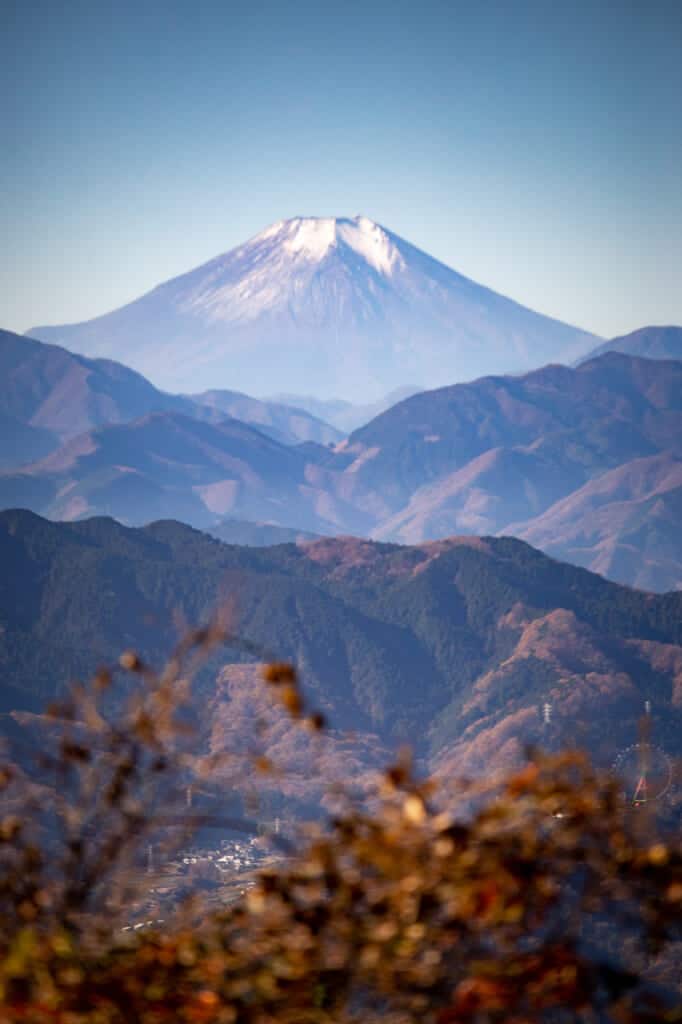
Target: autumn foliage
[[542, 898]]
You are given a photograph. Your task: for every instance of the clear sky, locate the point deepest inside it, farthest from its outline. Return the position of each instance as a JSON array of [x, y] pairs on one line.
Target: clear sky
[[533, 146]]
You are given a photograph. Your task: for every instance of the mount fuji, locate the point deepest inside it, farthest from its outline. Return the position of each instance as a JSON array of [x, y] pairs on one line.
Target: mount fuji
[[338, 307]]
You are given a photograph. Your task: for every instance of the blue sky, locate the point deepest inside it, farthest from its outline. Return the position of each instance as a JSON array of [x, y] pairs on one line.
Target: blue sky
[[535, 147]]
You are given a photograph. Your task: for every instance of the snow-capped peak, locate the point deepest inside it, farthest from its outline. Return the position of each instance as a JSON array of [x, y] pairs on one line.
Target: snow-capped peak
[[274, 270], [311, 238], [339, 303]]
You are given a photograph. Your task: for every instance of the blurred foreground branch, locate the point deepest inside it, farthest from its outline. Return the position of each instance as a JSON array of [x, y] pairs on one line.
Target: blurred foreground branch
[[544, 901]]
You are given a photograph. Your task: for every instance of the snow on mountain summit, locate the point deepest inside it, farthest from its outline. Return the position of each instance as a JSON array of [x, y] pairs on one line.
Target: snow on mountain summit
[[275, 268], [332, 305], [313, 238]]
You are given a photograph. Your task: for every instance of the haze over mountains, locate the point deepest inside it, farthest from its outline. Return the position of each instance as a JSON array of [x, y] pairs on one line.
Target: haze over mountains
[[583, 462], [344, 415], [624, 524], [48, 395], [334, 306], [649, 342]]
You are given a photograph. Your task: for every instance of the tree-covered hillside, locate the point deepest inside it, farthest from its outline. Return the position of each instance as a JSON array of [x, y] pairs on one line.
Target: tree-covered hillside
[[440, 644]]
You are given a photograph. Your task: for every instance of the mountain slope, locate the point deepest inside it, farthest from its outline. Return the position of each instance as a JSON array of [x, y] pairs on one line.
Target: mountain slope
[[49, 388], [344, 307], [443, 644], [489, 491], [648, 342], [48, 395], [167, 464], [21, 442], [285, 423], [625, 524], [582, 421], [589, 470]]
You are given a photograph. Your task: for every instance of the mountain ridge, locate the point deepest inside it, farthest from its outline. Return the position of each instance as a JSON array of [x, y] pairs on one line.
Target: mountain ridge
[[651, 342], [443, 644], [49, 395], [486, 457]]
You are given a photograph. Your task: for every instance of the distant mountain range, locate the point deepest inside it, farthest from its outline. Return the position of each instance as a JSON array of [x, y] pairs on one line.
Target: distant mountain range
[[346, 416], [258, 535], [48, 395], [489, 453], [167, 465], [582, 462], [649, 342], [284, 423], [454, 646], [333, 306]]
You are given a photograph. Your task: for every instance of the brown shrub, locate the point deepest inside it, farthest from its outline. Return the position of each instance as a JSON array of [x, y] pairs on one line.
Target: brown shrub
[[546, 899]]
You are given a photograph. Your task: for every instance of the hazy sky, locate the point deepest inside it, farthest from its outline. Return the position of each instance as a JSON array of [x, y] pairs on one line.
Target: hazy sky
[[534, 146]]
